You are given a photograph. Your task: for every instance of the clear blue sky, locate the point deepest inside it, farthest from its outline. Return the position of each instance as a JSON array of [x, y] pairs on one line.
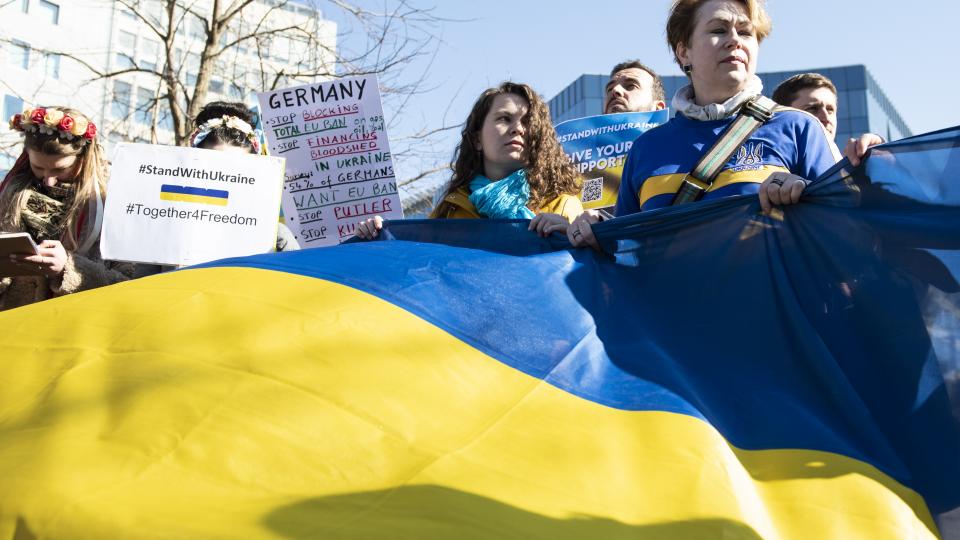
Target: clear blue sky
[[910, 48]]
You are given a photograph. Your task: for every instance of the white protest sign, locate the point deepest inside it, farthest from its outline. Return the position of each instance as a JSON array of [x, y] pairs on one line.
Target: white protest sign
[[339, 169], [183, 206]]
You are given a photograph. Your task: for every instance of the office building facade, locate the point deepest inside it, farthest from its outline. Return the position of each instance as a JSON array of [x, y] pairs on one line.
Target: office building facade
[[862, 105], [108, 37]]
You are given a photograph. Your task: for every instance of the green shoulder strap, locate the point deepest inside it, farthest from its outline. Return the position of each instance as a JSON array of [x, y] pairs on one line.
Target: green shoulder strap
[[752, 115]]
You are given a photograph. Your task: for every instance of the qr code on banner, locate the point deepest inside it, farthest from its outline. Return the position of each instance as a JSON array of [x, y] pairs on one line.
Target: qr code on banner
[[592, 190]]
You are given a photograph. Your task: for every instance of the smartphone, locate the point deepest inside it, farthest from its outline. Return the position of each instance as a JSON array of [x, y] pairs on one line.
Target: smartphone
[[17, 244]]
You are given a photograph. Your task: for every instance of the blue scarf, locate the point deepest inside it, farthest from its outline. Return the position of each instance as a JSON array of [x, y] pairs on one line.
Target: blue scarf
[[504, 199]]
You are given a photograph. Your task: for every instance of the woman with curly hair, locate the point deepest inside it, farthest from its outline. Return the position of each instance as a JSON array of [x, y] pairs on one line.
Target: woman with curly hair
[[508, 165], [55, 192]]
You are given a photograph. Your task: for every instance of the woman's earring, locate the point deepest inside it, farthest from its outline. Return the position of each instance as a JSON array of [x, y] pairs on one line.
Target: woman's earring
[[688, 69]]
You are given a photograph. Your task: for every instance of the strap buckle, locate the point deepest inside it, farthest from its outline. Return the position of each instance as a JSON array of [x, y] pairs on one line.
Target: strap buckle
[[756, 110], [691, 189]]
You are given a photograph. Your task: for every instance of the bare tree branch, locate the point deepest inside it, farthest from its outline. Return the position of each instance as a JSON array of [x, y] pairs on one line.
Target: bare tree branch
[[424, 174], [421, 135], [130, 6], [219, 49]]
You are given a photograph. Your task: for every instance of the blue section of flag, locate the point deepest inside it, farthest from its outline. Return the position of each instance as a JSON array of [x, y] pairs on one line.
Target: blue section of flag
[[830, 326], [186, 190]]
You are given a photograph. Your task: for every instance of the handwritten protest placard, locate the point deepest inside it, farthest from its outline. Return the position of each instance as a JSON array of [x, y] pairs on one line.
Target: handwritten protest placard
[[339, 169], [598, 146], [183, 206]]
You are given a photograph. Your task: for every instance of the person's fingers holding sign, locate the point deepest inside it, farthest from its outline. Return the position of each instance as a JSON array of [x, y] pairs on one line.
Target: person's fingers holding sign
[[49, 261], [780, 188], [857, 147], [369, 229], [580, 232], [546, 224]]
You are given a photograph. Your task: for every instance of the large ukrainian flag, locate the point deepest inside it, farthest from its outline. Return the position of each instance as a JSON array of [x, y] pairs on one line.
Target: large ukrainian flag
[[723, 375]]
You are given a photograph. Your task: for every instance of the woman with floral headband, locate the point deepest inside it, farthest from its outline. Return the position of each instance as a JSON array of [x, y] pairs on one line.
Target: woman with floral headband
[[225, 126], [55, 192]]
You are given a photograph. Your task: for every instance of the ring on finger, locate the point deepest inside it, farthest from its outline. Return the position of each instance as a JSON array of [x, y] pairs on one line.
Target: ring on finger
[[777, 181], [577, 233]]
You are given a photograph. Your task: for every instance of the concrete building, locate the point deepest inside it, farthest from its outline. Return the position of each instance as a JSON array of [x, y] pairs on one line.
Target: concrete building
[[862, 105], [108, 37]]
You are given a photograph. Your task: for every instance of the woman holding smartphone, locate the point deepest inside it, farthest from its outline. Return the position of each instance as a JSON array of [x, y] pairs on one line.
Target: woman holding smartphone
[[55, 192]]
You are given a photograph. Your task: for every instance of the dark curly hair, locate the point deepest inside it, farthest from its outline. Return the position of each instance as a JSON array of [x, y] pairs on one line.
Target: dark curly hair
[[222, 134], [549, 172]]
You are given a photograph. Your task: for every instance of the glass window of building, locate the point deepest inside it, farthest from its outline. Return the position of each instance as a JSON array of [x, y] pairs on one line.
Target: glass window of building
[[144, 112], [19, 54], [155, 11], [178, 56], [857, 104], [165, 121], [281, 49], [265, 46], [216, 85], [241, 29], [197, 28], [857, 78], [120, 107], [49, 11], [127, 41], [192, 69], [11, 105], [52, 65], [25, 6], [150, 52], [299, 49], [126, 44]]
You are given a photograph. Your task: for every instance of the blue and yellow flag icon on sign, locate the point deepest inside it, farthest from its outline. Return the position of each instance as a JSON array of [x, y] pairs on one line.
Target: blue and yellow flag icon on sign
[[216, 197], [723, 375]]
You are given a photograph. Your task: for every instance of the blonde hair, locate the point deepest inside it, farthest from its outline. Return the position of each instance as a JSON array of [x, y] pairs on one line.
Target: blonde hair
[[683, 19], [90, 179]]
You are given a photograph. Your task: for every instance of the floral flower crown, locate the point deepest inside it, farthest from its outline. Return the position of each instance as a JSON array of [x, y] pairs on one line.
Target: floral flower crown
[[51, 120], [227, 121]]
